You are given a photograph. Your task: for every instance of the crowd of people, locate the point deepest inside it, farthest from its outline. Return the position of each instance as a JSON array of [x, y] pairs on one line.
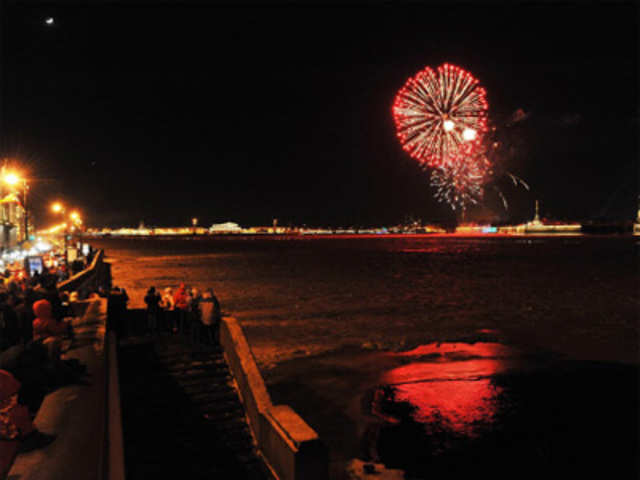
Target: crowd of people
[[35, 331], [187, 312]]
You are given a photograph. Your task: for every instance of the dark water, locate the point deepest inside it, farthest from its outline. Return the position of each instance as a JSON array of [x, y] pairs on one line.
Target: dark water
[[432, 354]]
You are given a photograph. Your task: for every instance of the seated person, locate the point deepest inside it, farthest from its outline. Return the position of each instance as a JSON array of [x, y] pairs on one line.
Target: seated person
[[49, 330], [15, 419]]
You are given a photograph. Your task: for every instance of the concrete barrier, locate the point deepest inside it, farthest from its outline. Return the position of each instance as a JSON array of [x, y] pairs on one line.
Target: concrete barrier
[[88, 279], [292, 448], [114, 441]]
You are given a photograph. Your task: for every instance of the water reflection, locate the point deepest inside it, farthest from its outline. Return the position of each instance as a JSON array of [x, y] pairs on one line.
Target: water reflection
[[448, 386], [460, 406]]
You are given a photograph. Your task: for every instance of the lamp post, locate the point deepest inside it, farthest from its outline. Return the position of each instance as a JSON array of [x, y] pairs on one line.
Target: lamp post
[[14, 179], [59, 208]]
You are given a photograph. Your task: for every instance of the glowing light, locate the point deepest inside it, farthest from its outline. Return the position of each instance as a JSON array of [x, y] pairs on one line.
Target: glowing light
[[11, 178], [448, 125], [49, 20], [57, 207], [43, 246], [469, 134]]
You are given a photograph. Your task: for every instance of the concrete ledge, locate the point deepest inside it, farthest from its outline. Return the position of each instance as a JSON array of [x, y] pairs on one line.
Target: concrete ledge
[[114, 440], [86, 276], [290, 446]]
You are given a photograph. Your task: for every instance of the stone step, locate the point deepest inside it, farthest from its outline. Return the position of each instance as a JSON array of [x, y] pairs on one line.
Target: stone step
[[182, 416], [215, 396], [199, 378], [215, 388]]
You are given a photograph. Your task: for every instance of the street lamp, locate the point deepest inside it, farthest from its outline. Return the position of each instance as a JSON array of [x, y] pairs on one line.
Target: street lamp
[[12, 179], [57, 207]]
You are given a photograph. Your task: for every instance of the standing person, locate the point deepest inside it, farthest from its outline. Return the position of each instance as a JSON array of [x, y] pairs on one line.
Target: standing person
[[152, 299], [210, 315], [181, 304], [117, 312], [167, 306], [194, 314]]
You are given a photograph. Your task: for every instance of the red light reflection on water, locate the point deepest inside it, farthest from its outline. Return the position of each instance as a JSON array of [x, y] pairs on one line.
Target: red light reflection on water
[[452, 389], [459, 406]]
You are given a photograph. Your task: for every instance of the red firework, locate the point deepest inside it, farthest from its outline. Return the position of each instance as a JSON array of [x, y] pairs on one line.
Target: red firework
[[441, 115]]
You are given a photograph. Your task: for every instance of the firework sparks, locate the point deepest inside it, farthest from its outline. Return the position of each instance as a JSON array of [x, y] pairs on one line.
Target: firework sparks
[[460, 182], [439, 114]]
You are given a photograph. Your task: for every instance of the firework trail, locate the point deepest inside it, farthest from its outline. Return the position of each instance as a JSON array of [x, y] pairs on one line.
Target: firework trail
[[439, 114]]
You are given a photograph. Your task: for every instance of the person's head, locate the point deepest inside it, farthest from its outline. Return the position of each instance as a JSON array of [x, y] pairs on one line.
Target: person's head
[[151, 290], [42, 309], [195, 292], [168, 291]]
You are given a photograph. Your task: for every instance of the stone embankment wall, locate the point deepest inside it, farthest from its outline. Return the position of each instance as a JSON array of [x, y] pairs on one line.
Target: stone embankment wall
[[290, 446], [98, 274]]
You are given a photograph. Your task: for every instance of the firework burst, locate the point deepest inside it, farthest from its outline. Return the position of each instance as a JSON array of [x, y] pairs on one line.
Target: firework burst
[[460, 183], [440, 115]]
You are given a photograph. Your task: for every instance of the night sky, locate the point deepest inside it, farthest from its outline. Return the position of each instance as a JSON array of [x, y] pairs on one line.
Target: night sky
[[162, 113]]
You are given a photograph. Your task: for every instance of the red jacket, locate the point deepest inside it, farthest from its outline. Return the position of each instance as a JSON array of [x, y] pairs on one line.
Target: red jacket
[[45, 325], [16, 421], [180, 299]]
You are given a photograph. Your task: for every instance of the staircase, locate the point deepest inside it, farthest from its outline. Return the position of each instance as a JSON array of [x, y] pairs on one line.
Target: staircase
[[181, 414]]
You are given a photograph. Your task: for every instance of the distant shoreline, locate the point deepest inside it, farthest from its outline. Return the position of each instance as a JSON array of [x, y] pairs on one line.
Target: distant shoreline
[[277, 236]]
